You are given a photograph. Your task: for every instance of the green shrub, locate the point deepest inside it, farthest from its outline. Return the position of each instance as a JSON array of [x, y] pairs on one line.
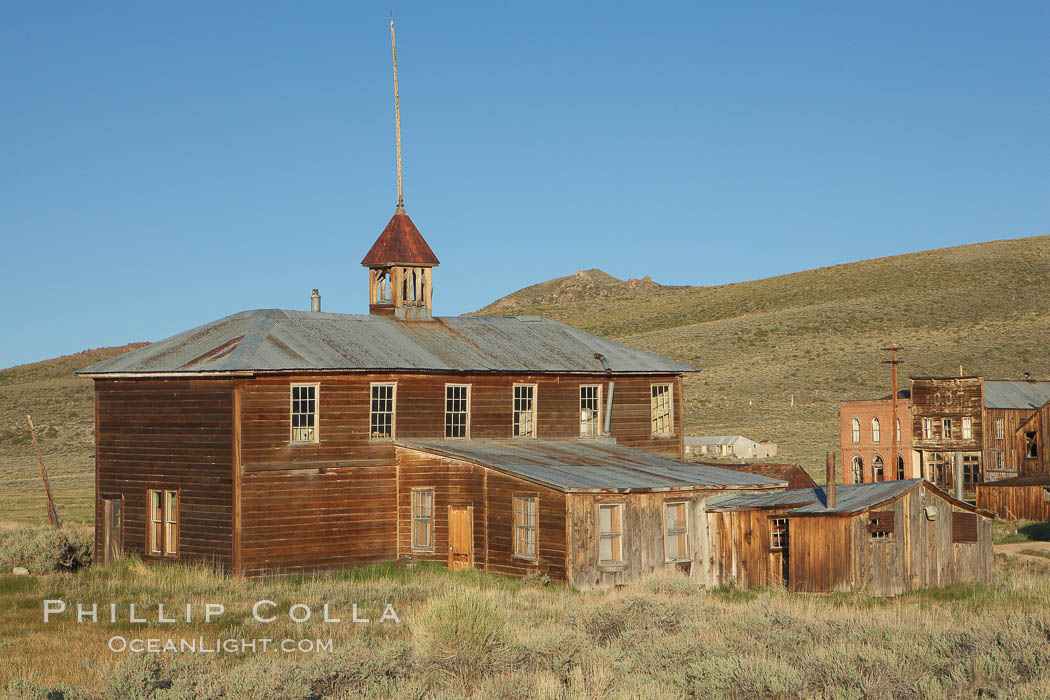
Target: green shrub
[[27, 690], [45, 549]]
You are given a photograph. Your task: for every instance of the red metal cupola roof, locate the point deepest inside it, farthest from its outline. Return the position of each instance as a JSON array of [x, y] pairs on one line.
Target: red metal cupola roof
[[400, 243]]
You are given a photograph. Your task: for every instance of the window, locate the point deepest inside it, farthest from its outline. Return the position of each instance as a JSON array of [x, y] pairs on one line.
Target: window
[[857, 468], [457, 410], [304, 412], [998, 459], [1046, 495], [880, 524], [676, 540], [877, 469], [876, 431], [163, 536], [935, 472], [900, 468], [971, 465], [590, 410], [525, 526], [1031, 449], [423, 520], [927, 429], [898, 430], [382, 415], [855, 425], [778, 533], [660, 409], [524, 410], [946, 428], [999, 429], [964, 527], [610, 533], [727, 450], [967, 428]]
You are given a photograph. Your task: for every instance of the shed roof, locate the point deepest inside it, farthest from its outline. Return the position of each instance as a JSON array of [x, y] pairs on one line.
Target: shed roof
[[400, 242], [588, 465], [1000, 393], [795, 476], [274, 340], [849, 498]]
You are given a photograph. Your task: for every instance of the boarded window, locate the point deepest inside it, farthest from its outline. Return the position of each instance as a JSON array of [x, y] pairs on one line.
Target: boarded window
[[676, 540], [590, 410], [525, 526], [778, 533], [457, 410], [964, 527], [382, 413], [855, 429], [876, 430], [880, 524], [660, 409], [967, 429], [423, 519], [524, 410], [304, 413], [163, 526], [610, 533]]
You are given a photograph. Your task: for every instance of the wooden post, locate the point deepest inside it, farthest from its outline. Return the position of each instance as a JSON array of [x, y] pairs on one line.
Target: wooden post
[[397, 114], [52, 512], [829, 485], [958, 476]]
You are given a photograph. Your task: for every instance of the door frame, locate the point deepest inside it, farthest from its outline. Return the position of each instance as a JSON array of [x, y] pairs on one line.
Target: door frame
[[107, 526], [470, 520]]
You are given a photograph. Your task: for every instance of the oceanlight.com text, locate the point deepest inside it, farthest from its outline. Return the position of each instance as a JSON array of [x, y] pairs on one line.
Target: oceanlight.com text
[[215, 645]]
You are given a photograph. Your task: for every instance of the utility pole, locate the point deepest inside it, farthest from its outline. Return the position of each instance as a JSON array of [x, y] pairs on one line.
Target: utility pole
[[893, 361], [52, 511]]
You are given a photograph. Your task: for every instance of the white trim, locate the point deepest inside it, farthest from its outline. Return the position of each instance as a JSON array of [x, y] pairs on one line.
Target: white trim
[[535, 410], [445, 412], [393, 412], [317, 412], [670, 409], [579, 410]]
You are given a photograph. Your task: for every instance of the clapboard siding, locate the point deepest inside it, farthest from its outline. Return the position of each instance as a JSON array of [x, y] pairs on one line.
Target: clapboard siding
[[172, 435], [1015, 502]]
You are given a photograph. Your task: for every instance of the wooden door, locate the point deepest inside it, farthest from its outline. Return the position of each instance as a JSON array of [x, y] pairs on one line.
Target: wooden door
[[460, 537], [112, 529]]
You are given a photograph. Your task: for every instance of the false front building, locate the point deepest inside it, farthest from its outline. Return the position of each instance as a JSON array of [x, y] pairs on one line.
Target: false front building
[[277, 441]]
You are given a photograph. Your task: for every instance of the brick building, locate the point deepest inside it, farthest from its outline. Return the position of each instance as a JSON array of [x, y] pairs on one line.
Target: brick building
[[866, 435]]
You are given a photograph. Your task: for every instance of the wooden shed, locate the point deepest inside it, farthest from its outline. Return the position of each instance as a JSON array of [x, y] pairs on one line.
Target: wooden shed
[[1026, 496], [886, 538]]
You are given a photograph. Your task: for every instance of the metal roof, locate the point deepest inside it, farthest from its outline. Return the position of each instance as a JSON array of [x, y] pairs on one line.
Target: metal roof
[[1000, 393], [718, 440], [272, 339], [400, 242], [795, 476], [587, 465], [849, 498]]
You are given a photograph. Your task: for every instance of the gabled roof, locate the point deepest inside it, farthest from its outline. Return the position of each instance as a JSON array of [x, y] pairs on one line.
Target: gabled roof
[[999, 393], [718, 440], [795, 476], [275, 340], [589, 465], [400, 243]]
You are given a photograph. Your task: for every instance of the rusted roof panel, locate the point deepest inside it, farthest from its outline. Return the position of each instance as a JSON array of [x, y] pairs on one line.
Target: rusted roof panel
[[274, 340], [849, 498], [586, 465], [1009, 394], [400, 242], [795, 476]]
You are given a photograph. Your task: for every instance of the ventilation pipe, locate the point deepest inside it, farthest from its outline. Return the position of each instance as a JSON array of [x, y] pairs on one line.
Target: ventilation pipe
[[829, 485], [608, 393], [315, 301]]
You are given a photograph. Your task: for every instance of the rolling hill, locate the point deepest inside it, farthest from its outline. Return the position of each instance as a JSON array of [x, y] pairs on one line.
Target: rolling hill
[[778, 354]]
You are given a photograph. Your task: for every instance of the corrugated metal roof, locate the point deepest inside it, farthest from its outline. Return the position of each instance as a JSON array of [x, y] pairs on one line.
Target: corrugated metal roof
[[849, 498], [795, 476], [718, 440], [1000, 393], [584, 465], [271, 339], [400, 242]]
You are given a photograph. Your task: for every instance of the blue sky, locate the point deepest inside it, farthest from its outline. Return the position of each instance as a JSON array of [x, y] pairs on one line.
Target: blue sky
[[166, 164]]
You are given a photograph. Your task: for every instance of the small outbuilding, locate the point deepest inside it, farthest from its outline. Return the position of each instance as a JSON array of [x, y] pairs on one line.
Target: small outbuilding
[[886, 538]]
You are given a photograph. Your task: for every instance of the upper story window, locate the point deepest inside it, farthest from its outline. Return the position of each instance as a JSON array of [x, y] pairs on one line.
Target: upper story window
[[660, 409], [381, 419], [1031, 447], [927, 429], [967, 429], [876, 430], [610, 533], [878, 473], [676, 540], [999, 429], [900, 468], [423, 519], [163, 536], [457, 410], [855, 426], [857, 469], [524, 410], [525, 526], [898, 430], [946, 428], [304, 412], [590, 410]]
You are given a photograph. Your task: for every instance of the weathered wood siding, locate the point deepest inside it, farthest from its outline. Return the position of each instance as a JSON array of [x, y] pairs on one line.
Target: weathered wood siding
[[1007, 445], [643, 537], [175, 435], [1015, 502], [551, 541], [1040, 464], [741, 551], [818, 554]]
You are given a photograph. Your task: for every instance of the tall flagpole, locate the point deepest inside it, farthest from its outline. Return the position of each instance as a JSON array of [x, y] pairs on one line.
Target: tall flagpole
[[397, 115]]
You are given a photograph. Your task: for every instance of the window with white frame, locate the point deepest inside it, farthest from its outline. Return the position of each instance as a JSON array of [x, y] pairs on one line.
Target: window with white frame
[[381, 418], [660, 409], [524, 410], [457, 410], [876, 430], [967, 428], [590, 410], [778, 533], [163, 536], [898, 430], [610, 533], [676, 540], [999, 429], [525, 526], [855, 429], [423, 519], [946, 428], [857, 469], [927, 429], [304, 412]]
